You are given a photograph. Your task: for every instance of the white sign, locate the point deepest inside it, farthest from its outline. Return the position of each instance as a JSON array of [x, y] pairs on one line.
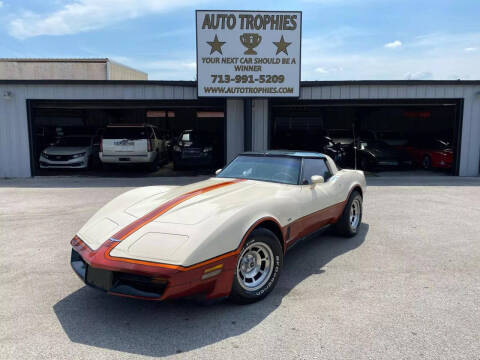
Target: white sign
[[248, 53]]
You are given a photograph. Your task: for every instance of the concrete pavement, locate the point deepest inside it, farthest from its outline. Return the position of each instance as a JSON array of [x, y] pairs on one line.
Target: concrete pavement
[[407, 287]]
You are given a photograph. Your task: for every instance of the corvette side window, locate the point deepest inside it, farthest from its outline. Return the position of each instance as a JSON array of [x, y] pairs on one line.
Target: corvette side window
[[314, 167]]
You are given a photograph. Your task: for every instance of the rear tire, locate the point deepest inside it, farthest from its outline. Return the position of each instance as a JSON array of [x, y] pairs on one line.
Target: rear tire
[[351, 217], [106, 167], [258, 267], [153, 166], [427, 162]]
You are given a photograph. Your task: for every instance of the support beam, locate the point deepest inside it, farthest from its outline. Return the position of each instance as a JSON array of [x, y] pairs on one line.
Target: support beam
[[248, 124], [235, 139], [260, 125]]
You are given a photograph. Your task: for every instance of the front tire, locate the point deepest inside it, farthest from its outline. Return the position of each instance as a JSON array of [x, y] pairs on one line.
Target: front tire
[[89, 163], [365, 164], [258, 267], [351, 217]]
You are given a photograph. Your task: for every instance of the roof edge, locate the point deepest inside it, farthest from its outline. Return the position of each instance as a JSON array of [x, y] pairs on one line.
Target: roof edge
[[126, 66], [190, 83], [185, 83], [74, 60], [388, 82]]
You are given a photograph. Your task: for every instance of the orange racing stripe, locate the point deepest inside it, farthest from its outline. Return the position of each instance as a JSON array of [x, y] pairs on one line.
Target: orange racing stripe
[[152, 215]]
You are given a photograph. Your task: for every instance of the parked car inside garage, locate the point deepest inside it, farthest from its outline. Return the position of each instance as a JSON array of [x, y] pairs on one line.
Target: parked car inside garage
[[371, 154], [193, 149], [430, 153], [393, 138], [342, 136], [137, 144], [69, 152], [327, 146]]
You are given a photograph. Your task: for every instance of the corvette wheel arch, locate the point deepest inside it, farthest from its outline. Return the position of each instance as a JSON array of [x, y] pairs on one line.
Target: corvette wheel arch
[[356, 188], [268, 223]]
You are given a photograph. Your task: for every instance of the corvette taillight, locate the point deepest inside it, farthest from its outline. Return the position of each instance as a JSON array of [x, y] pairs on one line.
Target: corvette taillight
[[149, 145]]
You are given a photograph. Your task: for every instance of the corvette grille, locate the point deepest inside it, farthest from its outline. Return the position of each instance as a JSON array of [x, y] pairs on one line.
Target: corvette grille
[[118, 282], [139, 283], [58, 157]]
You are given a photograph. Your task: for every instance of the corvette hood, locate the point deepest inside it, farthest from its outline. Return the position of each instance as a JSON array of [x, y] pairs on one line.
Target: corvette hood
[[212, 197]]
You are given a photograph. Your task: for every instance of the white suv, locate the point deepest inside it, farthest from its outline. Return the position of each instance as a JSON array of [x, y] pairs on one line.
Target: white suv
[[132, 144]]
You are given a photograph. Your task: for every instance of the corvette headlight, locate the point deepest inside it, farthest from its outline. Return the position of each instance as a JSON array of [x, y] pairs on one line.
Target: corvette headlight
[[207, 149], [163, 245], [78, 155]]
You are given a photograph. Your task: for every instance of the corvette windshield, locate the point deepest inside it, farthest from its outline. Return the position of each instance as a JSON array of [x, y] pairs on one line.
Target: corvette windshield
[[280, 169]]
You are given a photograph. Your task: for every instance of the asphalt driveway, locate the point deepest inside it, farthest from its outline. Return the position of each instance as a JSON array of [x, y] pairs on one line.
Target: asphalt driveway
[[407, 287]]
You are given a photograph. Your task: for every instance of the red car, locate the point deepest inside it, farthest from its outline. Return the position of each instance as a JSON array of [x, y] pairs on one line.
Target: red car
[[431, 153]]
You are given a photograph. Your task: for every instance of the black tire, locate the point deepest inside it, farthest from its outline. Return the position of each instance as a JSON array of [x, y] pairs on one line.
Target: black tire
[[153, 166], [364, 163], [176, 166], [90, 164], [264, 238], [106, 167], [344, 226], [427, 162]]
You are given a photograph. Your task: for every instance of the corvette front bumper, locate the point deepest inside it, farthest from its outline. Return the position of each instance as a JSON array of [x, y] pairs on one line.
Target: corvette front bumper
[[151, 282], [117, 282]]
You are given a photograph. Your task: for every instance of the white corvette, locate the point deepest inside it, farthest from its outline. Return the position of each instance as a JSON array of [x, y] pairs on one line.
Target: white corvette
[[225, 236]]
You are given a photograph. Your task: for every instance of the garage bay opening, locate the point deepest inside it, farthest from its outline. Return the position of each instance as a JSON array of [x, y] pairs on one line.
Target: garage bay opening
[[420, 136], [115, 138]]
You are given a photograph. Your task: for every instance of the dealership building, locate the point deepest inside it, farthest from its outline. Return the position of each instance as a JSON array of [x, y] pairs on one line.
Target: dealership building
[[32, 112]]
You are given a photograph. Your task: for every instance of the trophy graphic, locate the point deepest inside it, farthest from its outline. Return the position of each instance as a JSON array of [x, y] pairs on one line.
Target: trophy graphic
[[250, 41]]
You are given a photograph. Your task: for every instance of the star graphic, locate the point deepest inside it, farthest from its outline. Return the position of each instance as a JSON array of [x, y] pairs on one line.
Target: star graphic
[[281, 45], [216, 45]]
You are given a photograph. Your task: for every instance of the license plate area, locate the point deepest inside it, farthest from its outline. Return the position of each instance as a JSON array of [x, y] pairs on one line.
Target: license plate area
[[99, 278], [124, 143], [124, 159], [390, 163], [190, 153]]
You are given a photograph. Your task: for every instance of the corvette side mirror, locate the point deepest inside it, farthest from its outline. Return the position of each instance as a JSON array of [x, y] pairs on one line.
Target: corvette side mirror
[[317, 179], [218, 171]]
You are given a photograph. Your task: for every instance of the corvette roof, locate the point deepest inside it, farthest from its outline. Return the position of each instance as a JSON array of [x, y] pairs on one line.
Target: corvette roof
[[294, 153]]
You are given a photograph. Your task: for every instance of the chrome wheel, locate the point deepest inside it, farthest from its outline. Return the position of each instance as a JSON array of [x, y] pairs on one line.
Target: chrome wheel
[[355, 213], [255, 266]]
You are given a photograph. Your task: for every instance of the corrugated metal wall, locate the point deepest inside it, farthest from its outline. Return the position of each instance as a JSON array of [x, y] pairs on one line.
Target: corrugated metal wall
[[122, 72], [470, 147], [42, 70], [14, 143]]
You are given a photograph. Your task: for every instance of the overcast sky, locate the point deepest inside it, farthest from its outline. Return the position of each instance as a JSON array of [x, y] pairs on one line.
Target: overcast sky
[[342, 39]]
